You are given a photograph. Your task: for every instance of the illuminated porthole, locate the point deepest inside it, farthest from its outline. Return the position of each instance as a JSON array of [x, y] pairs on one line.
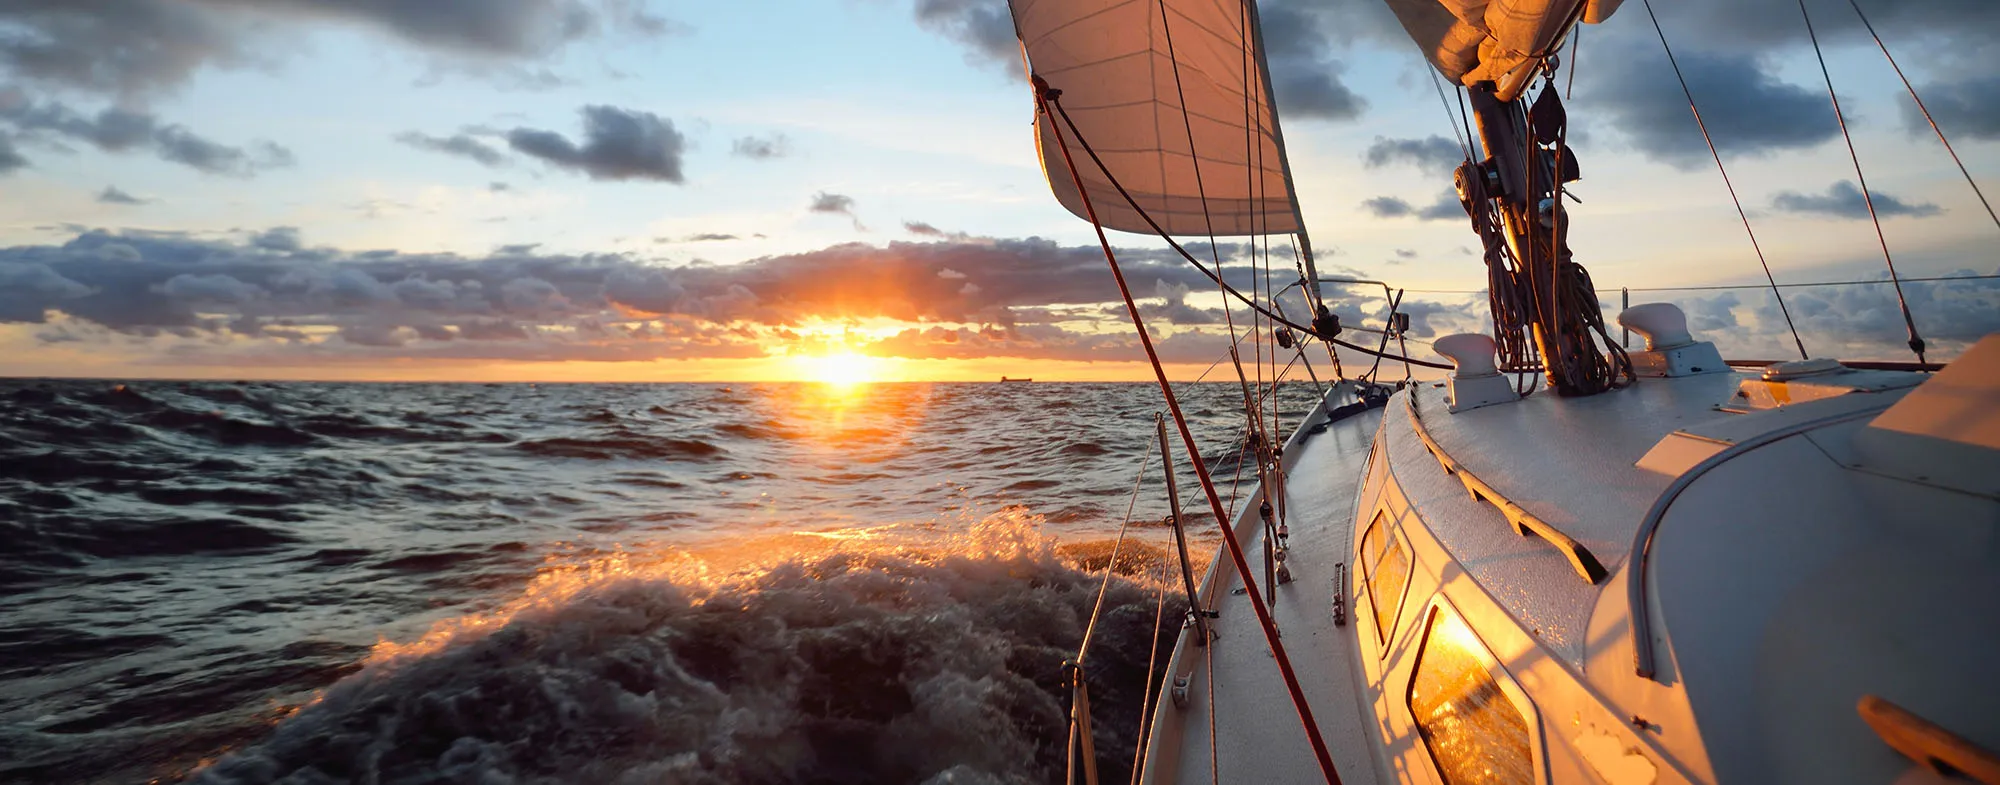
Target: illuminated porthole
[[1475, 733], [1385, 568]]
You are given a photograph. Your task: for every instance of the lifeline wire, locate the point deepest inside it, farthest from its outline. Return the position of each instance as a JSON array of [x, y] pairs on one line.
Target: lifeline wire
[[1916, 341], [1732, 187]]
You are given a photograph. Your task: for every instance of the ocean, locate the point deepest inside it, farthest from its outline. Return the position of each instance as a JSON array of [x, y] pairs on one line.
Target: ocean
[[497, 583]]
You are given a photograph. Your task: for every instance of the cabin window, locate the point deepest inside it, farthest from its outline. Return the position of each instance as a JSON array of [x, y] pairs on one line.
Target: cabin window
[[1475, 733], [1387, 571]]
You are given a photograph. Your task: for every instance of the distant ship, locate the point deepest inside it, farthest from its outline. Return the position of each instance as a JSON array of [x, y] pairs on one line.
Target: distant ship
[[1006, 379]]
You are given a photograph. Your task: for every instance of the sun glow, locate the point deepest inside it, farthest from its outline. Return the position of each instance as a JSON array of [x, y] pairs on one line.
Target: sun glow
[[841, 369]]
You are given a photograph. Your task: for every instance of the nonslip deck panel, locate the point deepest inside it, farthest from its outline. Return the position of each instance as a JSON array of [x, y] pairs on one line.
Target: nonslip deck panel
[[1258, 738]]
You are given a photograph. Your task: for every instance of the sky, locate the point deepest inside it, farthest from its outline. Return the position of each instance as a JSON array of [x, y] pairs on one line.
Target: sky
[[621, 190]]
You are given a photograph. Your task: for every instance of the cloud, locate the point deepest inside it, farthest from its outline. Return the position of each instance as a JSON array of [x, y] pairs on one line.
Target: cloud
[[1388, 207], [111, 195], [1434, 154], [836, 204], [117, 130], [1844, 200], [840, 204], [270, 298], [29, 289], [618, 144], [1968, 108], [1852, 322], [700, 237], [1446, 207], [1748, 109], [462, 145], [137, 47], [282, 239], [10, 158], [761, 149], [984, 27], [1305, 77]]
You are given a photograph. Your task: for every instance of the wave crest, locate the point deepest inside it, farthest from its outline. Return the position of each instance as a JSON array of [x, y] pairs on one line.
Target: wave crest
[[871, 659]]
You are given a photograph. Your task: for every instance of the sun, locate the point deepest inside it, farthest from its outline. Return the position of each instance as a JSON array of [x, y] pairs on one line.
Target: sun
[[840, 369]]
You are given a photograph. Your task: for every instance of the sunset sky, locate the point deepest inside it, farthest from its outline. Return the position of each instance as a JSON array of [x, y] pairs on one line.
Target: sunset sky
[[621, 190]]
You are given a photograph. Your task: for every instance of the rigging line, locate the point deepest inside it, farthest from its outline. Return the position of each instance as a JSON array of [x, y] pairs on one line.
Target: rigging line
[[1178, 248], [1049, 97], [1208, 221], [1740, 213], [1575, 42], [1098, 609], [1146, 700], [1438, 85], [1214, 760], [1927, 113], [1909, 322]]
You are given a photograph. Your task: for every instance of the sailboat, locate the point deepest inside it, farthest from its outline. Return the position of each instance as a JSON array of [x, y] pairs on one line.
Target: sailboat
[[1566, 561]]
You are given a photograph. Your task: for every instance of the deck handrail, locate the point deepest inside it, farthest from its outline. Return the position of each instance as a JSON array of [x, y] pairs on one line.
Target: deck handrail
[[1525, 523]]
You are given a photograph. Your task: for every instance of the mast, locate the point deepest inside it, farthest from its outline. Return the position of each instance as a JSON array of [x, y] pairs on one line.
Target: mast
[[1256, 37]]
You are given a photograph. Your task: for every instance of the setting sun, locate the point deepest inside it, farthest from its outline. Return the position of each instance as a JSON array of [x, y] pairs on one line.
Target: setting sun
[[846, 368]]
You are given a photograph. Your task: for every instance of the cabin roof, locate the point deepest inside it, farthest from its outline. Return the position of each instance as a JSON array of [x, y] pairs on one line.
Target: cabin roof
[[1569, 461]]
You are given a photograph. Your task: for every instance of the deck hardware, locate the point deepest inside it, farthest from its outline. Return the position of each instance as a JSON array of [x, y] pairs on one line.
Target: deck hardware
[[1340, 594], [1525, 523], [1179, 693], [1928, 744], [1173, 520]]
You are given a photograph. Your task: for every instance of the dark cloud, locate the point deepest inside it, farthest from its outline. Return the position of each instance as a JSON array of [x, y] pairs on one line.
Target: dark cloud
[[836, 204], [922, 229], [699, 237], [1968, 108], [761, 148], [462, 145], [1305, 78], [498, 187], [282, 239], [1387, 207], [984, 27], [132, 47], [1434, 154], [1844, 200], [280, 298], [116, 130], [1748, 109], [111, 195], [10, 158], [1445, 208], [839, 204], [618, 144]]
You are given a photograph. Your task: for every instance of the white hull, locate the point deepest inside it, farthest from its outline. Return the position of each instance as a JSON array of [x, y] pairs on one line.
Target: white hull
[[1789, 572]]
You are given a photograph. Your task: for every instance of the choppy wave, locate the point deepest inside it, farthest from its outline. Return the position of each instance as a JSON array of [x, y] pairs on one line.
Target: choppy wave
[[185, 565], [938, 663]]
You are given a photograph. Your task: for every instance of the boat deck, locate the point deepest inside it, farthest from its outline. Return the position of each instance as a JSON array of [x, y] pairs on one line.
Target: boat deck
[[1570, 462], [1256, 729]]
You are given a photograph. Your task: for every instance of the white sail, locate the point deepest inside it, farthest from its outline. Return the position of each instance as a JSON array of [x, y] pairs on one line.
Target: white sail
[[1110, 59], [1472, 41]]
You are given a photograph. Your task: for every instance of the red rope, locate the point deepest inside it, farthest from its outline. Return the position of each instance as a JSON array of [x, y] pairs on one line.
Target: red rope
[[1045, 96]]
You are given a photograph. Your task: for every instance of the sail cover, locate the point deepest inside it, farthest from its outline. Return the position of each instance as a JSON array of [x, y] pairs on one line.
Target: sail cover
[[1217, 168], [1473, 41]]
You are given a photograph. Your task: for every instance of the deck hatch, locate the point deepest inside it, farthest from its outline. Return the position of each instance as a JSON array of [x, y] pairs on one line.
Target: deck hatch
[[1475, 733]]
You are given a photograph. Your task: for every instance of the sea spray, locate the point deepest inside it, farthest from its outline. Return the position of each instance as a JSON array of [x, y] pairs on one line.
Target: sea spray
[[856, 661]]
